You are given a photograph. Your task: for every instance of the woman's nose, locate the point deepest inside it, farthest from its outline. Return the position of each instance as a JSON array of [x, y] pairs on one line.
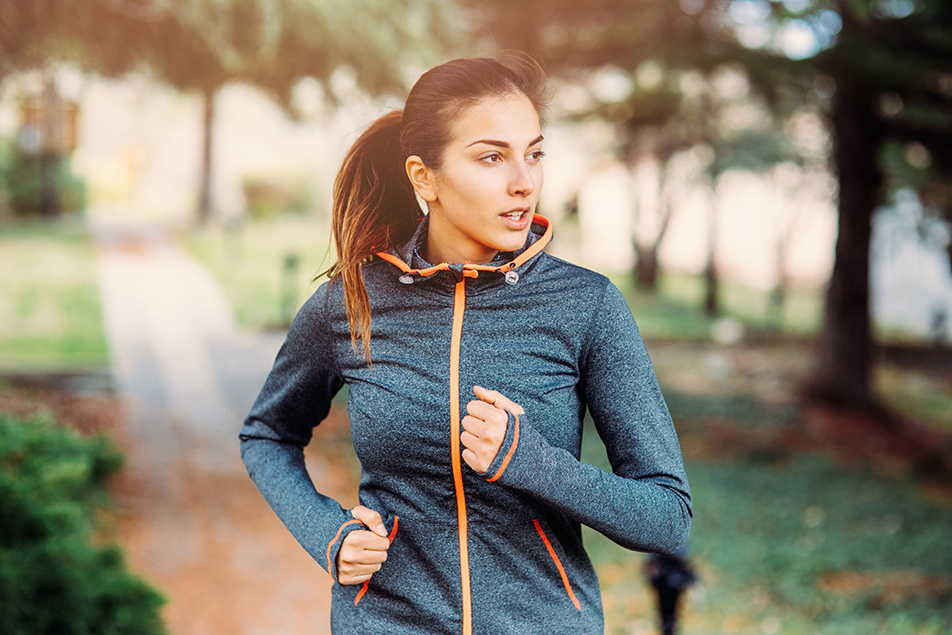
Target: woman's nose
[[522, 182]]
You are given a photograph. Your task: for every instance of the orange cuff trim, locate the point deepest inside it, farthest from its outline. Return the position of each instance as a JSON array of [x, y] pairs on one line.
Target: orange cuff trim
[[512, 448], [555, 559], [393, 534], [331, 544]]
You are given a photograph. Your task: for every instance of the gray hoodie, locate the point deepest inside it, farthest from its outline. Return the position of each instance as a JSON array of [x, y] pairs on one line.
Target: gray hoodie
[[491, 553]]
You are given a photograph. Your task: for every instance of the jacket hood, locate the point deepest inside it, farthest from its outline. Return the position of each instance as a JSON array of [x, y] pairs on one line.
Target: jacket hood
[[413, 267]]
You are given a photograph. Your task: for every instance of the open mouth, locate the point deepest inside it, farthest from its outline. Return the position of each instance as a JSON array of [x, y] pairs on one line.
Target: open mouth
[[515, 214]]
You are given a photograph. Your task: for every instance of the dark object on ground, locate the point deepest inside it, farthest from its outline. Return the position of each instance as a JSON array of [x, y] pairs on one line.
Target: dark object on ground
[[670, 576]]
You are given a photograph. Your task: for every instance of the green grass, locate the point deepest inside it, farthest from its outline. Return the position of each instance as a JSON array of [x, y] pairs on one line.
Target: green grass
[[793, 544], [924, 397], [675, 310], [249, 264], [50, 315]]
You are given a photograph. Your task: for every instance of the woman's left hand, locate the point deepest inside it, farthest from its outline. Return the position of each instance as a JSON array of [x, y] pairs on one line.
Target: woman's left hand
[[484, 428]]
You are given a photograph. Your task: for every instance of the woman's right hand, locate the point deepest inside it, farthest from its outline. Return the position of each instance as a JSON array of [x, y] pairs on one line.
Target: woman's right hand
[[362, 552]]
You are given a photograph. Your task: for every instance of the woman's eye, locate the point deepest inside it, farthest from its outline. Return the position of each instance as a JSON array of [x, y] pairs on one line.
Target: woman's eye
[[492, 158], [536, 155]]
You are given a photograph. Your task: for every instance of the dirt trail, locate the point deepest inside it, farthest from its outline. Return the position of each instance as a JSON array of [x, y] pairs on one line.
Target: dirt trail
[[190, 518]]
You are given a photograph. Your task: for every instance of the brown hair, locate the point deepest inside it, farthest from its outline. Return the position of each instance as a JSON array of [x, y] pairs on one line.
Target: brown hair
[[375, 207]]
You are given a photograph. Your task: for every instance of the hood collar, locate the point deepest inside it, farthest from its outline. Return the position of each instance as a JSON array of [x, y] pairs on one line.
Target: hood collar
[[540, 233]]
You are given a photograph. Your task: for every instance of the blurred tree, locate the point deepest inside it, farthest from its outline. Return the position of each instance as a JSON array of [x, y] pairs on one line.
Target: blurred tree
[[887, 65], [671, 60], [276, 43], [880, 69], [35, 36], [200, 45]]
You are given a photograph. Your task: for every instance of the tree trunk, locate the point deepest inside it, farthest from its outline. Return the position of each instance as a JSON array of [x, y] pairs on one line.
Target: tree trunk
[[205, 182], [948, 250], [776, 303], [712, 304], [646, 268], [842, 374], [49, 184]]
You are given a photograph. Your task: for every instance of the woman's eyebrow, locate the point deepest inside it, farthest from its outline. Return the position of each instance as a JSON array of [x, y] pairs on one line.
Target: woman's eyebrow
[[503, 144]]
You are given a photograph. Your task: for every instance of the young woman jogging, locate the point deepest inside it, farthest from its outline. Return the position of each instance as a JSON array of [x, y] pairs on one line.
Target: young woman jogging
[[471, 356]]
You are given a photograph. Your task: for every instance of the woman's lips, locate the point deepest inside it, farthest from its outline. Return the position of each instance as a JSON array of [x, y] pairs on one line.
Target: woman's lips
[[517, 219]]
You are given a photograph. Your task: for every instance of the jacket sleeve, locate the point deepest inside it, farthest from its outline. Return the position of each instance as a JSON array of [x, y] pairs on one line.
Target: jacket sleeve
[[296, 397], [645, 503]]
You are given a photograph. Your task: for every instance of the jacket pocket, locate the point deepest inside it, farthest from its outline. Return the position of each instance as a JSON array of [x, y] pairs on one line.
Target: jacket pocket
[[366, 584], [557, 561]]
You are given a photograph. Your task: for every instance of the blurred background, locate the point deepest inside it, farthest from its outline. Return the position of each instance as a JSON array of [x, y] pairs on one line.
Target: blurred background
[[769, 182]]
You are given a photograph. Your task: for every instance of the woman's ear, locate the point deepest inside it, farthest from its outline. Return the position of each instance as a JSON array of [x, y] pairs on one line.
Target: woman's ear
[[422, 178]]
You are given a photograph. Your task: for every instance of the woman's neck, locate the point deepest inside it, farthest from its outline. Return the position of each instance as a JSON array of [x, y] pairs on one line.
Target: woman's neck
[[445, 243]]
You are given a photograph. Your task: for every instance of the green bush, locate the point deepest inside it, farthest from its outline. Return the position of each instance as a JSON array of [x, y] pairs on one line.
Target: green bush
[[21, 182], [53, 579]]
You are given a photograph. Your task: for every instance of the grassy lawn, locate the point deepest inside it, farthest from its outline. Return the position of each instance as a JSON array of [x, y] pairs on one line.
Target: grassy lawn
[[50, 315], [924, 396], [793, 543], [250, 264], [675, 310]]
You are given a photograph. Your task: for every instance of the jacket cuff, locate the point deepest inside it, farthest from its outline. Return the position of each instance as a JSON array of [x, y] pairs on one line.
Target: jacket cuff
[[509, 444], [528, 463], [350, 524]]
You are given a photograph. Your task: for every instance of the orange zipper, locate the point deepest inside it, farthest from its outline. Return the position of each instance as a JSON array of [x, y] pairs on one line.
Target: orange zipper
[[459, 306], [558, 563]]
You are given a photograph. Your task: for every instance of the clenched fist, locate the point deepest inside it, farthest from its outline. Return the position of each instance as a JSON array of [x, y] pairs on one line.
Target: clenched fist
[[362, 552], [484, 427]]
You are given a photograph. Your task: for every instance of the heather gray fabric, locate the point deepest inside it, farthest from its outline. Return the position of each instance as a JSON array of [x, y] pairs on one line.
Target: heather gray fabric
[[560, 339]]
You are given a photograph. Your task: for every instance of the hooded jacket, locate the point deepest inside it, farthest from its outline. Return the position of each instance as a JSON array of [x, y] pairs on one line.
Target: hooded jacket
[[474, 554]]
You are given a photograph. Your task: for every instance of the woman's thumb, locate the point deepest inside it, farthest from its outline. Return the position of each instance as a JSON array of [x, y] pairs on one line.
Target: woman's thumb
[[371, 519]]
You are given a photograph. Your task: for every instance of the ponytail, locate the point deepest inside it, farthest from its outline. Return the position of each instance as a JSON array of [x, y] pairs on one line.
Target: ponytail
[[374, 209]]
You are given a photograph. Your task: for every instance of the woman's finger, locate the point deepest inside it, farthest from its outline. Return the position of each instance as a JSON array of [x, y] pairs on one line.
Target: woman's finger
[[468, 439], [370, 518], [483, 410], [356, 574], [346, 579], [473, 461], [485, 424], [498, 399], [366, 541]]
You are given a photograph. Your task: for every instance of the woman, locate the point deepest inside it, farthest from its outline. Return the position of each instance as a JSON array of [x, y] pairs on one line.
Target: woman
[[470, 512]]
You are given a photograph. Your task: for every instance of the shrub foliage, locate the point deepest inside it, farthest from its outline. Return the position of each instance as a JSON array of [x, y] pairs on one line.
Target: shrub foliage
[[53, 578]]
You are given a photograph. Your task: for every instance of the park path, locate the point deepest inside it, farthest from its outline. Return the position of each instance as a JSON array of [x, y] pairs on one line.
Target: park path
[[190, 519]]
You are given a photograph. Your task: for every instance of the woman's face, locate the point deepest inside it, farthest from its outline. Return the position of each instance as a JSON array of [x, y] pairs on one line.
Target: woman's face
[[483, 198]]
